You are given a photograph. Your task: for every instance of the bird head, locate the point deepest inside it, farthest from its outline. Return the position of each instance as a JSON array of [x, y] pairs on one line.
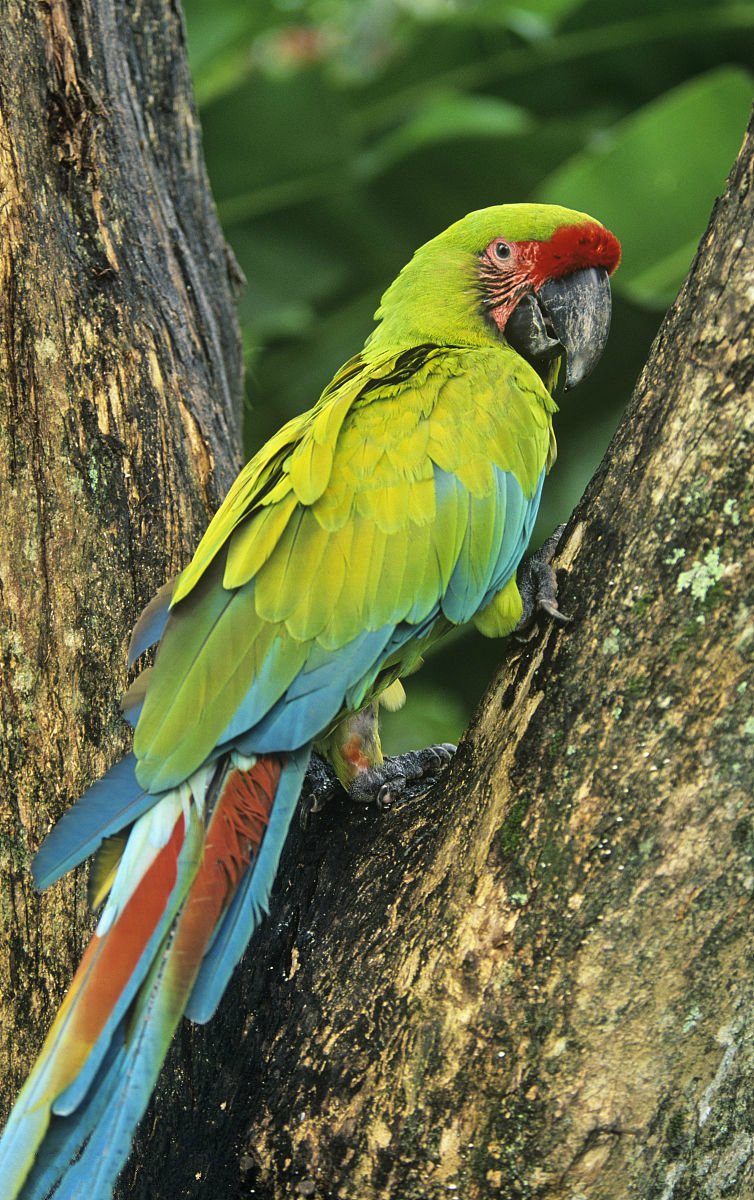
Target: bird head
[[534, 275]]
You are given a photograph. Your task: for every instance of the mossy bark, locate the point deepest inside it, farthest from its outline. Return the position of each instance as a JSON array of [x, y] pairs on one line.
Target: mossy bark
[[537, 981], [120, 383]]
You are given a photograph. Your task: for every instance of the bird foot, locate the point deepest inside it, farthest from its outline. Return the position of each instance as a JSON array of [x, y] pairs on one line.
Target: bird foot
[[320, 786], [403, 775], [538, 586]]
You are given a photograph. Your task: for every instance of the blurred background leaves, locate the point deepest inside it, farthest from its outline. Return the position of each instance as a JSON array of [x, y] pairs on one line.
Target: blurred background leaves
[[341, 134]]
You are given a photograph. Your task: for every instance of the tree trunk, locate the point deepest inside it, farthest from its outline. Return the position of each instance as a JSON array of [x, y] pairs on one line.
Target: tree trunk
[[120, 384], [537, 981]]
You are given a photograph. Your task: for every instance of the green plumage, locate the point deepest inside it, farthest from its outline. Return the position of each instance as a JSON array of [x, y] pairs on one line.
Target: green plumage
[[398, 507], [334, 529]]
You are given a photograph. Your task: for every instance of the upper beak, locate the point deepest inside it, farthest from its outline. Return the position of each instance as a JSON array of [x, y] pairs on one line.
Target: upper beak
[[570, 314]]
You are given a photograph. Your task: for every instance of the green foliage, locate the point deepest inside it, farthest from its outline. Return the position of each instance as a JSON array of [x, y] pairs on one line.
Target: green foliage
[[661, 208], [341, 134], [432, 715]]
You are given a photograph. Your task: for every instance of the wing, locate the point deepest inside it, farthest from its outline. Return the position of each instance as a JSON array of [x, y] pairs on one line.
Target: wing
[[357, 528]]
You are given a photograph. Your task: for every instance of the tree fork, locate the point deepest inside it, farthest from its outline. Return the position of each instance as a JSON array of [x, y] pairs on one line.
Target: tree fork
[[120, 384]]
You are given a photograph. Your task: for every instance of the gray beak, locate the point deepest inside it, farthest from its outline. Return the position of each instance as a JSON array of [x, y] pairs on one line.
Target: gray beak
[[571, 315]]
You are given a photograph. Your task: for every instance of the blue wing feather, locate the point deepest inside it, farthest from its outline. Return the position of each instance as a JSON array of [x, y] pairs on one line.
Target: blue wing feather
[[148, 629], [503, 522], [113, 802], [300, 715]]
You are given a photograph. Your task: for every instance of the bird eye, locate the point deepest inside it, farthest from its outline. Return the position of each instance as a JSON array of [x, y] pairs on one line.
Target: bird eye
[[502, 250]]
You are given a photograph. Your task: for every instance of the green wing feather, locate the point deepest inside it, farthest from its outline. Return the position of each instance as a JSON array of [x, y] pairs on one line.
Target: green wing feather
[[334, 529], [296, 462]]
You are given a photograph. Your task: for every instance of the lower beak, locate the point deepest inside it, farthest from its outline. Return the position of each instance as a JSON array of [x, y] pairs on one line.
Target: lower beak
[[571, 315]]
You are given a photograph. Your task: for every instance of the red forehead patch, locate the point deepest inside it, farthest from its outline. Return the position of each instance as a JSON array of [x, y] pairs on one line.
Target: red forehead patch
[[570, 249]]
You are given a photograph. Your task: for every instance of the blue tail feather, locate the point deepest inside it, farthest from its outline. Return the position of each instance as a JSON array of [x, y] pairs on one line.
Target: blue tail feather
[[109, 805], [85, 1150], [119, 1102], [188, 862], [66, 1135]]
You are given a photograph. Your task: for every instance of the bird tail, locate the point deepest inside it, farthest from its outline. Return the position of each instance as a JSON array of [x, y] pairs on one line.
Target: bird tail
[[186, 888]]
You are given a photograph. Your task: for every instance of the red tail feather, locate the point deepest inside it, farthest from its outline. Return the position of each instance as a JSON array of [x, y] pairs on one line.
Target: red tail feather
[[234, 836], [109, 961]]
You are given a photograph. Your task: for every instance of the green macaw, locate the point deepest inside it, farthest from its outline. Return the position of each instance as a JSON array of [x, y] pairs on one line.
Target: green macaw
[[395, 509]]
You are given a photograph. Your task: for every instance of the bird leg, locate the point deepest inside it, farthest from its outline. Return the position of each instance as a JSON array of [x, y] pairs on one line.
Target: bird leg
[[353, 748], [538, 586], [402, 775]]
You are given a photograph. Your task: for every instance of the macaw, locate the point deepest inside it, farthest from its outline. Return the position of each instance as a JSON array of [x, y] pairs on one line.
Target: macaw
[[398, 507]]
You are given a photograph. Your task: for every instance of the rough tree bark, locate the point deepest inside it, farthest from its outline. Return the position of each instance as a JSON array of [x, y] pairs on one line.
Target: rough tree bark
[[120, 384], [538, 981]]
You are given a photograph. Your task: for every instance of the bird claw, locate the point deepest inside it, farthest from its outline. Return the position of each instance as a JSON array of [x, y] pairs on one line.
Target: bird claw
[[538, 586], [389, 792], [401, 776], [320, 786]]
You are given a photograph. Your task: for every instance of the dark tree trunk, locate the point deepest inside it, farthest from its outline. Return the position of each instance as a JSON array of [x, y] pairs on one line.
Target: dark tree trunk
[[538, 981], [120, 383]]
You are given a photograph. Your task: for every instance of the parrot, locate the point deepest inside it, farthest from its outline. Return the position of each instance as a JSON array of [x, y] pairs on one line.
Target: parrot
[[396, 509]]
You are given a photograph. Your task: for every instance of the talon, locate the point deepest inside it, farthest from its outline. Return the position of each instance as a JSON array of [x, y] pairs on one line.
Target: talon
[[319, 787], [537, 584], [385, 798], [307, 808], [553, 611], [445, 751]]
